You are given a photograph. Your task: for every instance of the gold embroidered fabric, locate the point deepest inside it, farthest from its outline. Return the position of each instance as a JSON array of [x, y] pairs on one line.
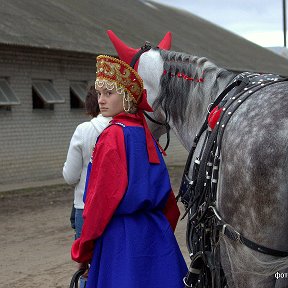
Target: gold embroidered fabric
[[115, 73]]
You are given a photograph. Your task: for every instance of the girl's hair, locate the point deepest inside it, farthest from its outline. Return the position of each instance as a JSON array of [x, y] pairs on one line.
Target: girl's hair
[[91, 102]]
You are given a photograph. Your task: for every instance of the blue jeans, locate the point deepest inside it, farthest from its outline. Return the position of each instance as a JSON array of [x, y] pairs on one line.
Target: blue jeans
[[83, 282], [78, 222], [78, 230]]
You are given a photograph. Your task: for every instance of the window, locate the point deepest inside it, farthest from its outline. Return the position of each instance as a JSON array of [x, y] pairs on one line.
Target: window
[[78, 92], [7, 96], [44, 95]]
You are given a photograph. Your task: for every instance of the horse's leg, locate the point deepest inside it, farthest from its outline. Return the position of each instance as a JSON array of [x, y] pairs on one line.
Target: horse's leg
[[247, 268]]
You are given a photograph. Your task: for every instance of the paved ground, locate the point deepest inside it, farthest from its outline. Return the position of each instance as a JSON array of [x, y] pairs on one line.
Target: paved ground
[[35, 236]]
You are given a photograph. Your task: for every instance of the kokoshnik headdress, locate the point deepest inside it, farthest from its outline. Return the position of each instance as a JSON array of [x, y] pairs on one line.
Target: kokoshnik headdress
[[118, 75]]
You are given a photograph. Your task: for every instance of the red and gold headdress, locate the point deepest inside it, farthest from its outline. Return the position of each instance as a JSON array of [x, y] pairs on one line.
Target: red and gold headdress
[[115, 73]]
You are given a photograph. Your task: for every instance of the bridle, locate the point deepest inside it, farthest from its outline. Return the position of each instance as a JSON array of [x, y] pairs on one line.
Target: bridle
[[146, 47]]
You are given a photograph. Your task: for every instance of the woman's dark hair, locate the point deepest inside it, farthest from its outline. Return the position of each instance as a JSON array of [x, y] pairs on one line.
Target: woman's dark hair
[[91, 102]]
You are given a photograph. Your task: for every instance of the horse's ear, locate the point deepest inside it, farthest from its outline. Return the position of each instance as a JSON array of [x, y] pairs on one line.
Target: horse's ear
[[165, 43], [125, 52]]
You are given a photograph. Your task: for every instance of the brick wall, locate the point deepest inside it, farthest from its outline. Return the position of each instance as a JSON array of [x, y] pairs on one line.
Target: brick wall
[[33, 143]]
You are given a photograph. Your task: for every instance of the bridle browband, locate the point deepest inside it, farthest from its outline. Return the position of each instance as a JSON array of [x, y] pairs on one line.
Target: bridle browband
[[146, 47]]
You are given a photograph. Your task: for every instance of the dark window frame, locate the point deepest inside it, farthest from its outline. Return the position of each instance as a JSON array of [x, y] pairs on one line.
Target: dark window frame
[[44, 95], [78, 92], [8, 97]]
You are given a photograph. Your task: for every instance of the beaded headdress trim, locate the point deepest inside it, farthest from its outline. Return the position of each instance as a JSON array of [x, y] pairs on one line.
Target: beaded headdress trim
[[115, 73]]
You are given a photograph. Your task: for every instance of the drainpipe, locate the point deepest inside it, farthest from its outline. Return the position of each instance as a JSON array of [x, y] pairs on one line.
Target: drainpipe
[[284, 21]]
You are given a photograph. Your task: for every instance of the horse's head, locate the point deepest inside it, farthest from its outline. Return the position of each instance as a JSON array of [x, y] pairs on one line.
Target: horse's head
[[151, 69]]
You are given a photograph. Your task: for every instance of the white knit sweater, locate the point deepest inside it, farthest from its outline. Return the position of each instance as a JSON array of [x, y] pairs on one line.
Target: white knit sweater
[[79, 153]]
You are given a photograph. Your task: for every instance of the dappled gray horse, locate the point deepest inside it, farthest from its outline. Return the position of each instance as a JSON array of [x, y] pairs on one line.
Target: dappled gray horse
[[252, 192]]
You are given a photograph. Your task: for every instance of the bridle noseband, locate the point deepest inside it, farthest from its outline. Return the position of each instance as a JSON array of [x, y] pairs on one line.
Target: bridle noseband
[[147, 46]]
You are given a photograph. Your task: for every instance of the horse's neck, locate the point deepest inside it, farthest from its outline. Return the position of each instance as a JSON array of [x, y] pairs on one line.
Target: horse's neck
[[197, 109]]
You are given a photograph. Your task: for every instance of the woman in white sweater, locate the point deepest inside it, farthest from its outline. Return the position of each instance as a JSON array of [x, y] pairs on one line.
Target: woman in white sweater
[[79, 153]]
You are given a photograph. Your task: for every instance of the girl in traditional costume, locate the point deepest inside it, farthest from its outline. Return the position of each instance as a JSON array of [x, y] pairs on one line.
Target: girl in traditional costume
[[130, 210]]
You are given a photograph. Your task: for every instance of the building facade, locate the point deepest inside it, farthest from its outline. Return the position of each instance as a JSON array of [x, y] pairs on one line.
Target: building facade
[[35, 133], [35, 138], [47, 60]]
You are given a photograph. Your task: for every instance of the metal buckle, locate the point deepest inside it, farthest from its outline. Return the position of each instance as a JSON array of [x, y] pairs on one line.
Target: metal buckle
[[147, 45], [231, 232]]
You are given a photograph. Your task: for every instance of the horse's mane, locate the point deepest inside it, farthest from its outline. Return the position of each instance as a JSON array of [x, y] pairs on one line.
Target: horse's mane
[[177, 92]]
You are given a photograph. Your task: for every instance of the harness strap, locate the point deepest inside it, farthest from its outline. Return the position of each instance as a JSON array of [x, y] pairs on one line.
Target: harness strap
[[243, 96], [232, 234], [167, 126], [201, 177], [147, 46], [243, 81]]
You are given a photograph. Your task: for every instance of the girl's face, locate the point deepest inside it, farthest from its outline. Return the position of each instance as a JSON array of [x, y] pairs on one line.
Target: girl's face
[[110, 102]]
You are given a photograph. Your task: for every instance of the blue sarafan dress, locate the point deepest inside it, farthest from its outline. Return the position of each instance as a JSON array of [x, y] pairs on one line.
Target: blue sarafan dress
[[127, 235]]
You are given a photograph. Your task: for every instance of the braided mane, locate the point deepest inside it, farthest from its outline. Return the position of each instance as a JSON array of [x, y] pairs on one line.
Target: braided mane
[[186, 78]]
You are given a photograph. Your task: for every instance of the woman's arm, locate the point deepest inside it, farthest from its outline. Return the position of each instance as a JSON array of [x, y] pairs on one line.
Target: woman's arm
[[74, 163], [107, 185]]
